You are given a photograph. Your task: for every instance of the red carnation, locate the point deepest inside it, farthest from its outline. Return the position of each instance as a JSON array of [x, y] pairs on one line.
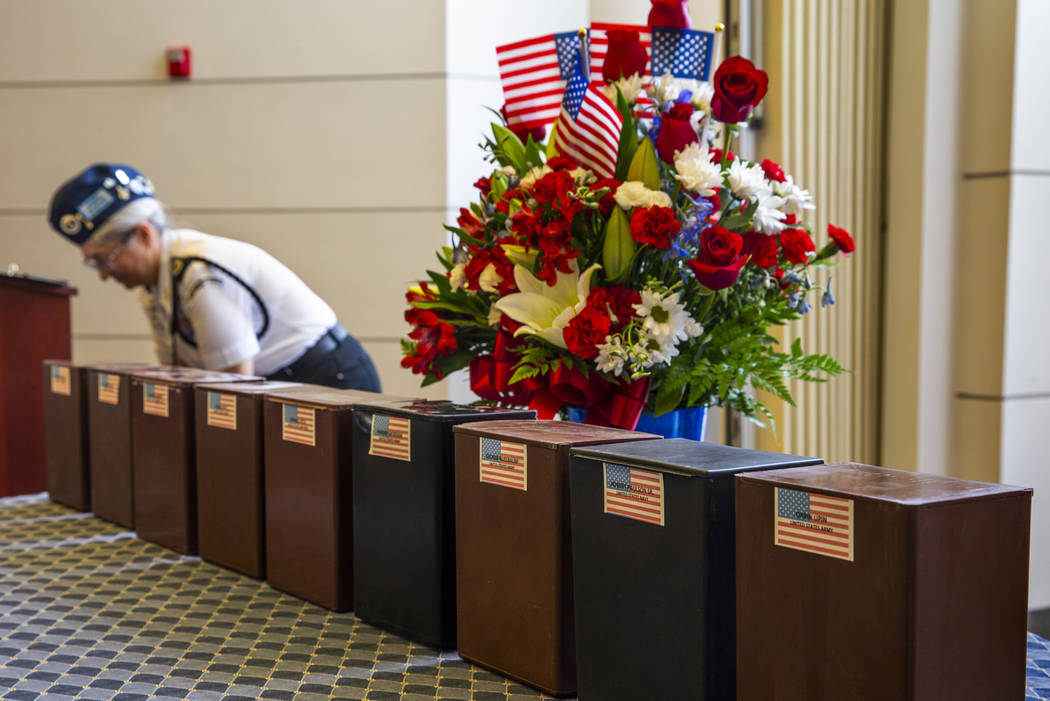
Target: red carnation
[[842, 239], [762, 249], [617, 300], [716, 156], [773, 171], [655, 226], [625, 55], [739, 87], [720, 259], [586, 330], [562, 163], [676, 132], [797, 245], [670, 13]]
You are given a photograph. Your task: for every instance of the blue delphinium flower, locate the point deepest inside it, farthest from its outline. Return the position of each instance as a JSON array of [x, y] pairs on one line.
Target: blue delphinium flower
[[827, 299]]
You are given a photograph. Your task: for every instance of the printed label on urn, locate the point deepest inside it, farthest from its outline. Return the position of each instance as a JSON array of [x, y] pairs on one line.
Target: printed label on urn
[[108, 388], [503, 463], [155, 399], [634, 493], [297, 424], [815, 523], [391, 437], [60, 383], [222, 410]]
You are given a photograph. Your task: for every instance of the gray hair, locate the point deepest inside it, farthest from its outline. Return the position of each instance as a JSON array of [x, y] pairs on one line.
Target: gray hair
[[122, 224]]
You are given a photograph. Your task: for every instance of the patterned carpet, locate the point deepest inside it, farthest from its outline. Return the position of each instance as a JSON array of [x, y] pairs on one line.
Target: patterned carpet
[[89, 611]]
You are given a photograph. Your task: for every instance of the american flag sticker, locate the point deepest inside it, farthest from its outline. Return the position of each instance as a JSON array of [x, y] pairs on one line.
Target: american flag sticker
[[108, 388], [155, 399], [391, 437], [297, 424], [60, 380], [634, 493], [222, 410], [814, 523], [503, 463]]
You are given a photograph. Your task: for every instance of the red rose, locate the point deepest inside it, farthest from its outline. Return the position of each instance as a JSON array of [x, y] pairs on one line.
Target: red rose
[[773, 171], [762, 249], [670, 13], [720, 259], [523, 131], [790, 220], [625, 55], [655, 226], [739, 87], [842, 239], [797, 245], [675, 132], [586, 330]]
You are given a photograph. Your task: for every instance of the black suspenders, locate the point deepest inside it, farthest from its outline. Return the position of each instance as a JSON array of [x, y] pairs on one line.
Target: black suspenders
[[178, 270]]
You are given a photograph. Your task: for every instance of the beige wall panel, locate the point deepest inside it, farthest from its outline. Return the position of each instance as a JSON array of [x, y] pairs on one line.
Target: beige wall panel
[[98, 349], [476, 27], [1025, 445], [62, 40], [1027, 325], [335, 144], [1031, 148], [397, 380], [704, 13], [987, 61], [982, 266], [975, 443]]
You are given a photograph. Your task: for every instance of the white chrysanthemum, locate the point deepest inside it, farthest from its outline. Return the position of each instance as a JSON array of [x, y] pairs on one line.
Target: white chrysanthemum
[[769, 218], [746, 180], [457, 277], [696, 172], [796, 200], [635, 194], [663, 352], [702, 94], [665, 88], [582, 175], [630, 87], [530, 178], [663, 318], [611, 356]]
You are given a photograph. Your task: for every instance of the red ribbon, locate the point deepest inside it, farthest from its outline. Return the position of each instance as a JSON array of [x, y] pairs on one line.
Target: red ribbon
[[622, 407], [490, 375]]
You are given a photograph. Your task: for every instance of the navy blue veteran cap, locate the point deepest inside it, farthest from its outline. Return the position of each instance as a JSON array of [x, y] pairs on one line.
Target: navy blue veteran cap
[[82, 206]]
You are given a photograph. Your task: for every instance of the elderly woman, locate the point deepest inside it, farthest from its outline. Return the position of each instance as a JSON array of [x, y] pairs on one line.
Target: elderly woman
[[212, 302]]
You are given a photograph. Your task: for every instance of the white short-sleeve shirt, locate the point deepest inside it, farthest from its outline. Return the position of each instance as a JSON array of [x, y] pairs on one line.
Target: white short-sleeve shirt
[[221, 321]]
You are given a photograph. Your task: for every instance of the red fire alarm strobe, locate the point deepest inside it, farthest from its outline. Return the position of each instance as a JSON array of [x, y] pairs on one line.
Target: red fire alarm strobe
[[179, 62]]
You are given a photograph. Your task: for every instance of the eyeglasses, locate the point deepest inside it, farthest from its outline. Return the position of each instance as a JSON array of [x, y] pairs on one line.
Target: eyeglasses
[[106, 261]]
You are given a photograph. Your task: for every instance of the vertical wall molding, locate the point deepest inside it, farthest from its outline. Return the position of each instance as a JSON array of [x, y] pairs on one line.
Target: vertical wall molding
[[824, 124]]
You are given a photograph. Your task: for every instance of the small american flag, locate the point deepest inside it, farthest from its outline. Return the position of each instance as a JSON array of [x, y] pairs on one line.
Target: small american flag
[[391, 437], [589, 125], [222, 410], [814, 523], [685, 53], [297, 424], [503, 463], [108, 388], [634, 493], [533, 73], [60, 380], [155, 399], [599, 45]]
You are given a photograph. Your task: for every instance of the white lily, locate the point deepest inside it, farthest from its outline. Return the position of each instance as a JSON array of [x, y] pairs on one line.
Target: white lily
[[544, 310]]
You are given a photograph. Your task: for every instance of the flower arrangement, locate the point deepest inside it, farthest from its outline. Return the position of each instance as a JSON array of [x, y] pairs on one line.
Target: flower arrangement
[[647, 283]]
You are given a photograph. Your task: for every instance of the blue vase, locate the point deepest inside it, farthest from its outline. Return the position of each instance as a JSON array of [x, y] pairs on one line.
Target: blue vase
[[680, 423]]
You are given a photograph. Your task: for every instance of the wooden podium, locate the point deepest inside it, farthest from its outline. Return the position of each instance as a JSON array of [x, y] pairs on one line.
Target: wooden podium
[[34, 325]]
